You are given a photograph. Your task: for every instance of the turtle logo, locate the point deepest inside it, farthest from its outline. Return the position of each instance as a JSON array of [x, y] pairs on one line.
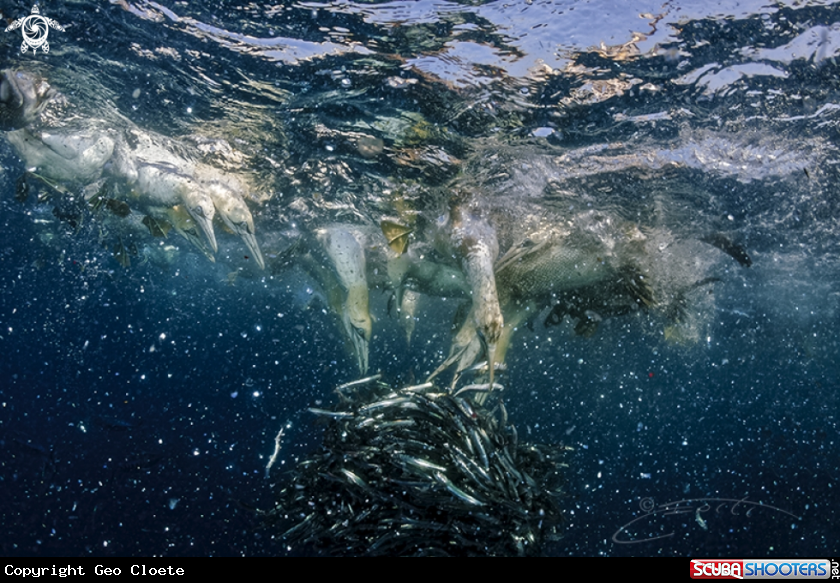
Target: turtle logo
[[35, 29]]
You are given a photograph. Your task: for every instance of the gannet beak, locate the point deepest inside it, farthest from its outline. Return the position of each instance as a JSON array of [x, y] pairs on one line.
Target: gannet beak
[[205, 223], [197, 242], [251, 242], [408, 310], [359, 338], [358, 324], [361, 347], [491, 362]]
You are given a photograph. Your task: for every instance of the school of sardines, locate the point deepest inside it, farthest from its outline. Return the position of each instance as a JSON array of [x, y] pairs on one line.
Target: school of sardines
[[417, 472]]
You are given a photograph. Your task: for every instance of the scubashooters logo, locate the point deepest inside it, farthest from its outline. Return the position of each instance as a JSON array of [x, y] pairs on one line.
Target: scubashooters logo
[[760, 569], [35, 29]]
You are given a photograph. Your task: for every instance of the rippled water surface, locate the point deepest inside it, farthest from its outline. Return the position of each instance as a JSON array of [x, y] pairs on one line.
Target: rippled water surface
[[140, 404]]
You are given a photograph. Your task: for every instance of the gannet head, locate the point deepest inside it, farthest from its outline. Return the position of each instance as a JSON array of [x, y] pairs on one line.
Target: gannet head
[[347, 256], [237, 217], [201, 209]]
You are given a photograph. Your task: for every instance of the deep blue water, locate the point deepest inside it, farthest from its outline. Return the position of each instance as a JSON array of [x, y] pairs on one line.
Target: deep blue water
[[138, 406]]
